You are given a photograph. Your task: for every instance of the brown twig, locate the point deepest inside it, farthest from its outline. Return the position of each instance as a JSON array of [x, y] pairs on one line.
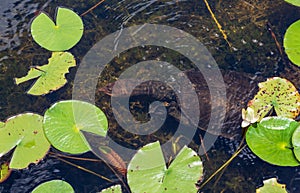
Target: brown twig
[[92, 8]]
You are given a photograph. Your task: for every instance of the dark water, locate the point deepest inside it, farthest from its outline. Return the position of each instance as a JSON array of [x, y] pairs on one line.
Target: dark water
[[253, 51]]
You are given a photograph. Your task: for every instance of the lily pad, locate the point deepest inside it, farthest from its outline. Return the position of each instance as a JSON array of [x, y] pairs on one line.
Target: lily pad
[[291, 41], [50, 76], [5, 171], [2, 124], [25, 133], [147, 171], [277, 93], [271, 186], [112, 189], [61, 35], [296, 142], [294, 2], [64, 121], [271, 140], [54, 186]]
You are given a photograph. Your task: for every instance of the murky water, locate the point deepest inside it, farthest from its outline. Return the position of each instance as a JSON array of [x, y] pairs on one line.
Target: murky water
[[253, 51]]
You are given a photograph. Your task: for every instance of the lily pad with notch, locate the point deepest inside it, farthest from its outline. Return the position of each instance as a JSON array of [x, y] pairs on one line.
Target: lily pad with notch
[[64, 121], [61, 35], [271, 140], [25, 133], [54, 186], [271, 186], [277, 93], [51, 76], [149, 165]]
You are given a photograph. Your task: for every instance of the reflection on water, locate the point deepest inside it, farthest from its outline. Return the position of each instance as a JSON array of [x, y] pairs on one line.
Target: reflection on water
[[254, 51]]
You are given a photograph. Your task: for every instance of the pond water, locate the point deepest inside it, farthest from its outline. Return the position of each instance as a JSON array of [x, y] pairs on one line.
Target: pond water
[[253, 51]]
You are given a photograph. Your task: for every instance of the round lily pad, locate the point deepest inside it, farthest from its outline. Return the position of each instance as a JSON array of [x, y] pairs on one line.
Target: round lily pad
[[51, 76], [271, 140], [61, 35], [271, 186], [277, 93], [294, 2], [147, 171], [54, 186], [112, 189], [64, 121], [25, 133], [296, 142], [291, 41]]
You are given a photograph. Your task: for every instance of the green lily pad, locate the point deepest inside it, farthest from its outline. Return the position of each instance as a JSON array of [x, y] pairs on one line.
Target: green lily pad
[[271, 140], [277, 93], [147, 171], [112, 189], [54, 186], [24, 132], [61, 35], [5, 171], [64, 120], [294, 2], [2, 124], [291, 42], [296, 142], [271, 186], [50, 76]]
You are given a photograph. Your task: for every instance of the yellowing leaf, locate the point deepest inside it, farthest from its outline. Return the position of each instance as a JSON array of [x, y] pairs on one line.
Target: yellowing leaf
[[51, 76], [271, 186]]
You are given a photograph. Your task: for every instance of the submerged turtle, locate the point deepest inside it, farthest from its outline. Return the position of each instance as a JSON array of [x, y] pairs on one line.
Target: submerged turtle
[[240, 88]]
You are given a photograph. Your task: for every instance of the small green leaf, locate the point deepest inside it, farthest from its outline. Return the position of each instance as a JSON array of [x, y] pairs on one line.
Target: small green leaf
[[296, 142], [54, 186], [294, 2], [271, 186], [112, 189], [5, 171], [59, 36], [148, 165], [291, 41], [25, 132], [64, 121], [51, 76], [277, 93], [271, 140]]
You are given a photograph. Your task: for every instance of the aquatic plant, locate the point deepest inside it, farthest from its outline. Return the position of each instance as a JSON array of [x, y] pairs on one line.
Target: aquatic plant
[[57, 37], [64, 121], [149, 165], [5, 171], [54, 186], [291, 40], [112, 189], [25, 136], [271, 186], [50, 76], [271, 140]]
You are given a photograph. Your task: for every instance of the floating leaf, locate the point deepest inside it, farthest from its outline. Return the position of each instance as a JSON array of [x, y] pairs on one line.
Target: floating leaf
[[50, 76], [277, 93], [291, 41], [148, 165], [25, 132], [64, 120], [271, 140], [296, 142], [54, 186], [294, 2], [5, 171], [112, 189], [271, 186], [2, 124], [59, 36]]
